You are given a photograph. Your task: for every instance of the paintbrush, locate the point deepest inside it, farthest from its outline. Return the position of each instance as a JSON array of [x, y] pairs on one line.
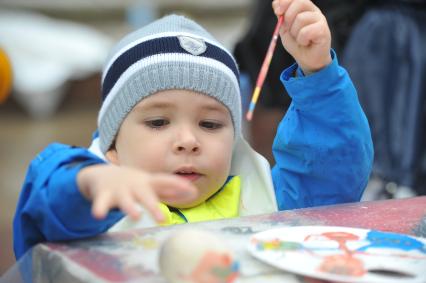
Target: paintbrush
[[264, 70]]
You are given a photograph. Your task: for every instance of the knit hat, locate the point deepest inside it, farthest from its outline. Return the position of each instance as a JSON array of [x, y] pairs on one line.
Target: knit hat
[[170, 53]]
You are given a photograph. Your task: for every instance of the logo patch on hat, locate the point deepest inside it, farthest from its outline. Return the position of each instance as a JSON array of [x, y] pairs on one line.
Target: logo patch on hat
[[195, 46]]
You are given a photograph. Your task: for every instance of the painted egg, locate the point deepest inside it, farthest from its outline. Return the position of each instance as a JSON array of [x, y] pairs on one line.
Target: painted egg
[[189, 256]]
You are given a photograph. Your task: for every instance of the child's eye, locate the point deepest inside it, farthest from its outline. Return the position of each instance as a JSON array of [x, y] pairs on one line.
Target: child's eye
[[210, 125], [157, 123]]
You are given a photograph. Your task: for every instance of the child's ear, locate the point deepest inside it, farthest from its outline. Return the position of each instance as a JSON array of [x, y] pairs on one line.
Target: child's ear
[[112, 156]]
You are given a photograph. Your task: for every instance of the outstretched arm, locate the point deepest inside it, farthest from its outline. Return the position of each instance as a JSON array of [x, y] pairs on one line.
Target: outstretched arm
[[51, 207], [70, 193]]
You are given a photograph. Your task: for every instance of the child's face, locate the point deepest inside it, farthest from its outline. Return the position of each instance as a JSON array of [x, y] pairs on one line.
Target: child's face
[[178, 132]]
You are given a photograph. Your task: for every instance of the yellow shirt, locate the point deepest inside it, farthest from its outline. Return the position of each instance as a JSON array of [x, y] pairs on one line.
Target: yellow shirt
[[224, 204]]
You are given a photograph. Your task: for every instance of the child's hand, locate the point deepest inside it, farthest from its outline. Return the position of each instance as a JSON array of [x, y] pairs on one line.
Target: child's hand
[[111, 186], [305, 33]]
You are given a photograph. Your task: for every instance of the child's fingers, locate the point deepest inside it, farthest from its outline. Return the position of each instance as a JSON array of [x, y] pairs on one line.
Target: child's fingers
[[129, 206], [148, 199], [169, 187], [303, 19], [295, 8], [101, 205], [313, 33], [280, 6]]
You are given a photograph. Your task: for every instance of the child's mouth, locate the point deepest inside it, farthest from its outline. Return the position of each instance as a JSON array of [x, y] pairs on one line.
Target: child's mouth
[[190, 176]]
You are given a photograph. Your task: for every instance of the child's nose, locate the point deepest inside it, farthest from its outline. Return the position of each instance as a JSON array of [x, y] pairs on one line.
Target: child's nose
[[186, 142]]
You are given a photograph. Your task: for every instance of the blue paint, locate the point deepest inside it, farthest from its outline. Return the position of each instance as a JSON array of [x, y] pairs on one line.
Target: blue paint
[[235, 266], [379, 240]]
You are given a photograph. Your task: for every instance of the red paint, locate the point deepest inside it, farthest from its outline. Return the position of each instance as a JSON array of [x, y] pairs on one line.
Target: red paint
[[214, 267]]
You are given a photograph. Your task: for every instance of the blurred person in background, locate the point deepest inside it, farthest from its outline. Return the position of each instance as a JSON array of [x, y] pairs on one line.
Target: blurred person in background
[[386, 58]]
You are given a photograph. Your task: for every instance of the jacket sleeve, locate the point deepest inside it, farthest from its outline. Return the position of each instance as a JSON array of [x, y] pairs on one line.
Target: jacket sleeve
[[323, 148], [51, 207]]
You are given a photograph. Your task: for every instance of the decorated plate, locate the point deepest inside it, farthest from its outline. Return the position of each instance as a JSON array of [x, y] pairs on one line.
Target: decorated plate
[[343, 254]]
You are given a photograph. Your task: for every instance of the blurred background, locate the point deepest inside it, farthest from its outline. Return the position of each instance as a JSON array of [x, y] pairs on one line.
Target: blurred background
[[52, 53]]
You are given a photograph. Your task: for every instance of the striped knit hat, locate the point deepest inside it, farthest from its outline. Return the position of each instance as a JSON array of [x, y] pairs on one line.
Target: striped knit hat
[[170, 53]]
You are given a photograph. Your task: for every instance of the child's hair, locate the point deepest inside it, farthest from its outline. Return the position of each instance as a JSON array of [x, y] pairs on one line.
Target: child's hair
[[170, 53]]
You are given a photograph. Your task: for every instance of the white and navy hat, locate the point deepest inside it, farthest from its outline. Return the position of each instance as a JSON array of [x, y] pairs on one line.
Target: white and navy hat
[[170, 53]]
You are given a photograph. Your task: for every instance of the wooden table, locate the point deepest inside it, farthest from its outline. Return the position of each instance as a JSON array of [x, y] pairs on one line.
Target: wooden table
[[132, 256]]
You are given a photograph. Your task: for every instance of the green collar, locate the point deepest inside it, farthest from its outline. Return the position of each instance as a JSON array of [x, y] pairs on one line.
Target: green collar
[[224, 204]]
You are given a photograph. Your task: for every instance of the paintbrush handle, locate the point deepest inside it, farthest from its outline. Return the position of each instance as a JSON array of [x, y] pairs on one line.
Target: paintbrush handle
[[264, 69], [269, 53]]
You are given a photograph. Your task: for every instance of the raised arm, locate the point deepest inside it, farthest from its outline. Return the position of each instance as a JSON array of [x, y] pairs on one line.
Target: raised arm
[[323, 148]]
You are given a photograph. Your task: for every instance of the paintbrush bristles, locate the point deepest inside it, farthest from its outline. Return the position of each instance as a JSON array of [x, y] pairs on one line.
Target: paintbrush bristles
[[264, 69]]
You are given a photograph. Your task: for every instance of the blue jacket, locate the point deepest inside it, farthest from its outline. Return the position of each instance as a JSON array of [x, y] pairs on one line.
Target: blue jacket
[[323, 153]]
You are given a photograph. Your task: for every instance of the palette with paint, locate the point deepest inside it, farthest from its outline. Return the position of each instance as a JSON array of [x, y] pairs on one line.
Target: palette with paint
[[342, 254]]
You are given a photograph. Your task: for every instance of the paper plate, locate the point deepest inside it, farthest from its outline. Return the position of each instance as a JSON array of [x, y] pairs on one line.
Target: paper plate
[[343, 254]]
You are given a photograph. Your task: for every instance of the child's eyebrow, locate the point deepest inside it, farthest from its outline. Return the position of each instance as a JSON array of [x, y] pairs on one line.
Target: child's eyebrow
[[165, 104], [214, 107], [154, 105]]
